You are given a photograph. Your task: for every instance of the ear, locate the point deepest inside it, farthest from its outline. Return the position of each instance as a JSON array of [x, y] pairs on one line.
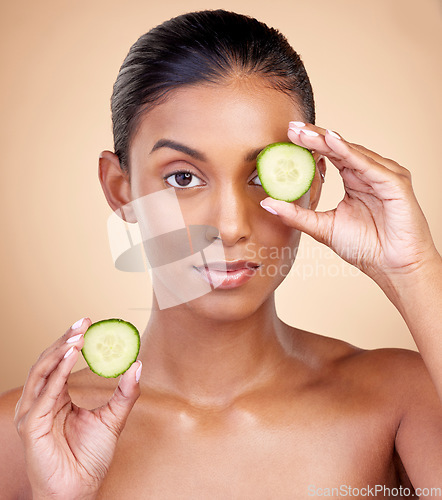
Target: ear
[[316, 187], [115, 183]]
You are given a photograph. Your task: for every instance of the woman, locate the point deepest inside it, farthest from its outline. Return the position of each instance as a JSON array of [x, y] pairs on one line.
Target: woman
[[233, 403]]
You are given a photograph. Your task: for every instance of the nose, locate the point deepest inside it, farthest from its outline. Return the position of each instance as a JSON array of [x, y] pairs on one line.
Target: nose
[[232, 215]]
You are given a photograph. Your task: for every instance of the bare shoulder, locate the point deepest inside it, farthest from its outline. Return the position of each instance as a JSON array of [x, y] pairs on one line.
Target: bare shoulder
[[13, 476], [401, 378], [399, 374], [389, 389]]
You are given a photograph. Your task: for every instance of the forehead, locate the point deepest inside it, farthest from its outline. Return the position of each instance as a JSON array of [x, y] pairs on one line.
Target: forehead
[[239, 115]]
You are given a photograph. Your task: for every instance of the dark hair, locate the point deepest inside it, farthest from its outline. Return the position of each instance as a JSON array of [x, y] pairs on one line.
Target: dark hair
[[206, 46]]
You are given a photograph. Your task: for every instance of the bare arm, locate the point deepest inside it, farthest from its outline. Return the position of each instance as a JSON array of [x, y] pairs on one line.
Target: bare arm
[[418, 297], [419, 436], [13, 478]]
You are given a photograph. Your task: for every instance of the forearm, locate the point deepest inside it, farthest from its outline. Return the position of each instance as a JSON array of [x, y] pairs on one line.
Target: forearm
[[418, 298]]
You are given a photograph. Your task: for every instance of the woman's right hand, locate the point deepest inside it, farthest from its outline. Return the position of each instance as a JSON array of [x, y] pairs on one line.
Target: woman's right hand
[[68, 450]]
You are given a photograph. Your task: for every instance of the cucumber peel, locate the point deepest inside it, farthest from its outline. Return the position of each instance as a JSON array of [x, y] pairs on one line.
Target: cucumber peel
[[110, 347], [286, 170]]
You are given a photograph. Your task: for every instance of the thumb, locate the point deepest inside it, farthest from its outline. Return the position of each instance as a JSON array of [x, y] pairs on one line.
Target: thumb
[[318, 225], [114, 414]]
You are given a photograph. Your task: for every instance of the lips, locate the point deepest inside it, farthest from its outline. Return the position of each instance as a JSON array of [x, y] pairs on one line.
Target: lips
[[233, 265], [228, 274]]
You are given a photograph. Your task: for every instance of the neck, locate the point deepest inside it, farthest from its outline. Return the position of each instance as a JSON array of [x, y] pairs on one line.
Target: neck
[[209, 362]]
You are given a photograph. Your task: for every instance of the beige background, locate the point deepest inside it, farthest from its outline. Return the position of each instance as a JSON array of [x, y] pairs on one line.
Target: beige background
[[375, 68]]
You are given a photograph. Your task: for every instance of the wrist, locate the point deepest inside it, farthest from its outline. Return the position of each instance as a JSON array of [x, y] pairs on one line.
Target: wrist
[[43, 496], [416, 294], [399, 283]]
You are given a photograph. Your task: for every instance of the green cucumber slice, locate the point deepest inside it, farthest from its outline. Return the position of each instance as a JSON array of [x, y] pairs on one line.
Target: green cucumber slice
[[286, 171], [111, 346]]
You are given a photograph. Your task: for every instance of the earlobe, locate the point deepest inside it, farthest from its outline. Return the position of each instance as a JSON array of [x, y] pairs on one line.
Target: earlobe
[[116, 185], [316, 188]]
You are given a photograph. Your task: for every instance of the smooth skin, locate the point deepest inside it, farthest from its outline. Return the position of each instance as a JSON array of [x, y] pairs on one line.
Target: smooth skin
[[235, 403]]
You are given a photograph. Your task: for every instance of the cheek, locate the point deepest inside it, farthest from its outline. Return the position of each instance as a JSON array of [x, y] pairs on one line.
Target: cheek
[[275, 233], [281, 241], [274, 244], [286, 247], [142, 185]]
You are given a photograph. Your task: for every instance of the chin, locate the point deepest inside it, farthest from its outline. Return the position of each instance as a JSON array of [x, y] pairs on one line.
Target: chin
[[225, 306]]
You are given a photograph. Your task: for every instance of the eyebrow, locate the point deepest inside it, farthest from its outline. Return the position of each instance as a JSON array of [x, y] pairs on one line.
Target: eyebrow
[[182, 148]]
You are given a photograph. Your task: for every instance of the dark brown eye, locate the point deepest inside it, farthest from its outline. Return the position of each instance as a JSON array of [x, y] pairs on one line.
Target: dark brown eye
[[183, 180]]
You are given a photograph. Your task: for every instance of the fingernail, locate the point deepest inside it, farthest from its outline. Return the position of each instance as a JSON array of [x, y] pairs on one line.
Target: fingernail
[[311, 133], [295, 130], [77, 324], [68, 353], [269, 209], [297, 124], [333, 134], [75, 338], [138, 372]]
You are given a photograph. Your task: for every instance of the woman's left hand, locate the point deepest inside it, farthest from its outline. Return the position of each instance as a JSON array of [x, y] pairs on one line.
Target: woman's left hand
[[378, 226]]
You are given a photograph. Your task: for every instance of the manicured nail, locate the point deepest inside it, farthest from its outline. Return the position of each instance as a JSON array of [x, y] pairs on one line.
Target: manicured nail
[[75, 338], [297, 124], [269, 209], [77, 324], [295, 130], [68, 353], [138, 372], [333, 134], [311, 133]]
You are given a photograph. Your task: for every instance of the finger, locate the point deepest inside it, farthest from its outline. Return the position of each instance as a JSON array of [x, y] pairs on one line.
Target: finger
[[48, 362], [114, 414], [39, 419], [354, 158], [387, 162], [315, 224], [298, 126], [343, 155], [305, 133]]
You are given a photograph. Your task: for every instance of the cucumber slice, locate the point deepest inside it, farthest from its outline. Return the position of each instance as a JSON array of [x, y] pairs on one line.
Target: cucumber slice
[[286, 170], [110, 347]]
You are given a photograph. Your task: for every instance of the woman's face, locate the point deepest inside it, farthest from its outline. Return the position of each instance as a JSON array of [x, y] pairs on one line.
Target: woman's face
[[203, 142]]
